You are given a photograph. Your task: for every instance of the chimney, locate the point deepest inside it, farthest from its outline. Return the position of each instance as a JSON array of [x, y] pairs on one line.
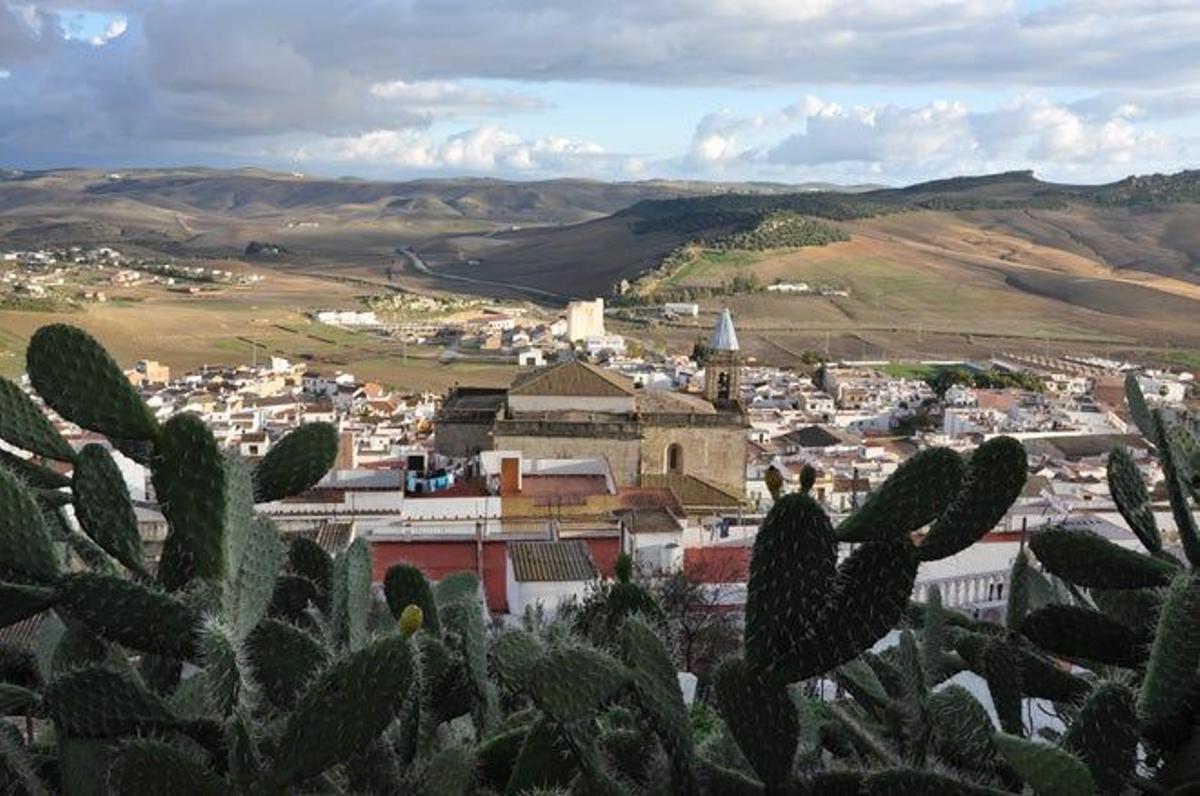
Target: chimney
[[510, 476]]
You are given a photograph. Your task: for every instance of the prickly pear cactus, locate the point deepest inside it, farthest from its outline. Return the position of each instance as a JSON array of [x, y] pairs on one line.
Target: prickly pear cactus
[[25, 546], [994, 477], [405, 585], [296, 463], [915, 495], [26, 426], [77, 378], [103, 507], [347, 706]]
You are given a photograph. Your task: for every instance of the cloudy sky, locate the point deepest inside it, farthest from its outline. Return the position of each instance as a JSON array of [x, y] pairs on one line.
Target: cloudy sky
[[790, 90]]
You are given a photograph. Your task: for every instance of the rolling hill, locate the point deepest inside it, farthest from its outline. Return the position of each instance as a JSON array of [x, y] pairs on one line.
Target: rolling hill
[[930, 268]]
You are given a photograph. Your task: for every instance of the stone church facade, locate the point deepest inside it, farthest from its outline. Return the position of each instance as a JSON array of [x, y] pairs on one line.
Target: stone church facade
[[649, 437]]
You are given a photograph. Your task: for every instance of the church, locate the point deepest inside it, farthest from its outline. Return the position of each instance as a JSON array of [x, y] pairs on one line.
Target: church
[[694, 444]]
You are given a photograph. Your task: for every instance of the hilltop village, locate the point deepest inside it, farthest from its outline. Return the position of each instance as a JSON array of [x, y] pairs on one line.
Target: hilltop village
[[592, 451]]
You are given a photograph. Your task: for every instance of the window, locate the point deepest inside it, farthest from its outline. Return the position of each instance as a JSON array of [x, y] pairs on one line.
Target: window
[[674, 458]]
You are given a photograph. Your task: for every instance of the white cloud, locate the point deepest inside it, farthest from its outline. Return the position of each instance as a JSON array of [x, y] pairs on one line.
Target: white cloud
[[485, 148], [445, 97], [115, 29], [5, 74], [1044, 130], [938, 137]]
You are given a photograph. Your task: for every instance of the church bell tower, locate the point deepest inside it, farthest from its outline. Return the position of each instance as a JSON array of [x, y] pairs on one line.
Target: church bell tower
[[722, 369]]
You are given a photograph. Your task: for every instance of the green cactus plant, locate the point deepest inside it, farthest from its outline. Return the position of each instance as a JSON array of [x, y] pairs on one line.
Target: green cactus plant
[[150, 766], [24, 425], [296, 463], [77, 378], [25, 547], [139, 617], [1129, 493], [405, 585], [994, 477], [1104, 736], [104, 509], [347, 706], [1050, 770], [762, 717], [1085, 558], [915, 495], [1077, 632], [1171, 671]]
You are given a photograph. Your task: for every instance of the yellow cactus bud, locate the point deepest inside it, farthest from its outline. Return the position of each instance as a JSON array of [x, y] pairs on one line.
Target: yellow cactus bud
[[411, 619]]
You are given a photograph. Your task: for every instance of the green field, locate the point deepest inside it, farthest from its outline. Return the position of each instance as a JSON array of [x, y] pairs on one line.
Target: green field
[[712, 267], [911, 370]]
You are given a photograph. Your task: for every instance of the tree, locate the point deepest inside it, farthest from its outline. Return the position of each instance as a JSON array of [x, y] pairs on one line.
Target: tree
[[704, 628]]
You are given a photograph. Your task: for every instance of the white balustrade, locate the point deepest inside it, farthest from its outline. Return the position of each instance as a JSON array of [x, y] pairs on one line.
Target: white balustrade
[[966, 591]]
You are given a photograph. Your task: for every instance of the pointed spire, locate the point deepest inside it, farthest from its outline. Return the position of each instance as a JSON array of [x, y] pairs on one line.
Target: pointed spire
[[724, 338]]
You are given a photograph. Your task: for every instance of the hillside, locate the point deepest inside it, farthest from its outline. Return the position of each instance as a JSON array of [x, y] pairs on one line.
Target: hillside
[[1141, 224], [951, 266], [216, 212]]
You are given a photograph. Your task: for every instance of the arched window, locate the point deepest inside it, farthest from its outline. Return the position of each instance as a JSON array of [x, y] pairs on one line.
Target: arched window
[[674, 458], [723, 387]]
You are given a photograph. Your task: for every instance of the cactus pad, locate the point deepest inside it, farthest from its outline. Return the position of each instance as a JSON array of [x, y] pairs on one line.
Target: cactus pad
[[149, 766], [25, 546], [1129, 493], [104, 509], [962, 728], [657, 685], [32, 474], [1142, 415], [190, 483], [405, 585], [284, 659], [128, 613], [1079, 633], [344, 709], [99, 702], [1171, 670], [1104, 736], [762, 718], [19, 601], [544, 762], [24, 425], [993, 479], [351, 597], [247, 595], [1085, 558], [308, 559], [914, 495], [569, 682], [1048, 770], [296, 462], [791, 575], [869, 595], [77, 378], [1002, 671]]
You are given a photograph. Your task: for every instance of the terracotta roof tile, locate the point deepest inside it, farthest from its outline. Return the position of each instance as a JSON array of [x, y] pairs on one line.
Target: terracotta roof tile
[[572, 378], [551, 561]]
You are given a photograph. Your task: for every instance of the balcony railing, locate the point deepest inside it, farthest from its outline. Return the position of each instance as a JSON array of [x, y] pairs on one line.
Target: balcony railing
[[972, 590]]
